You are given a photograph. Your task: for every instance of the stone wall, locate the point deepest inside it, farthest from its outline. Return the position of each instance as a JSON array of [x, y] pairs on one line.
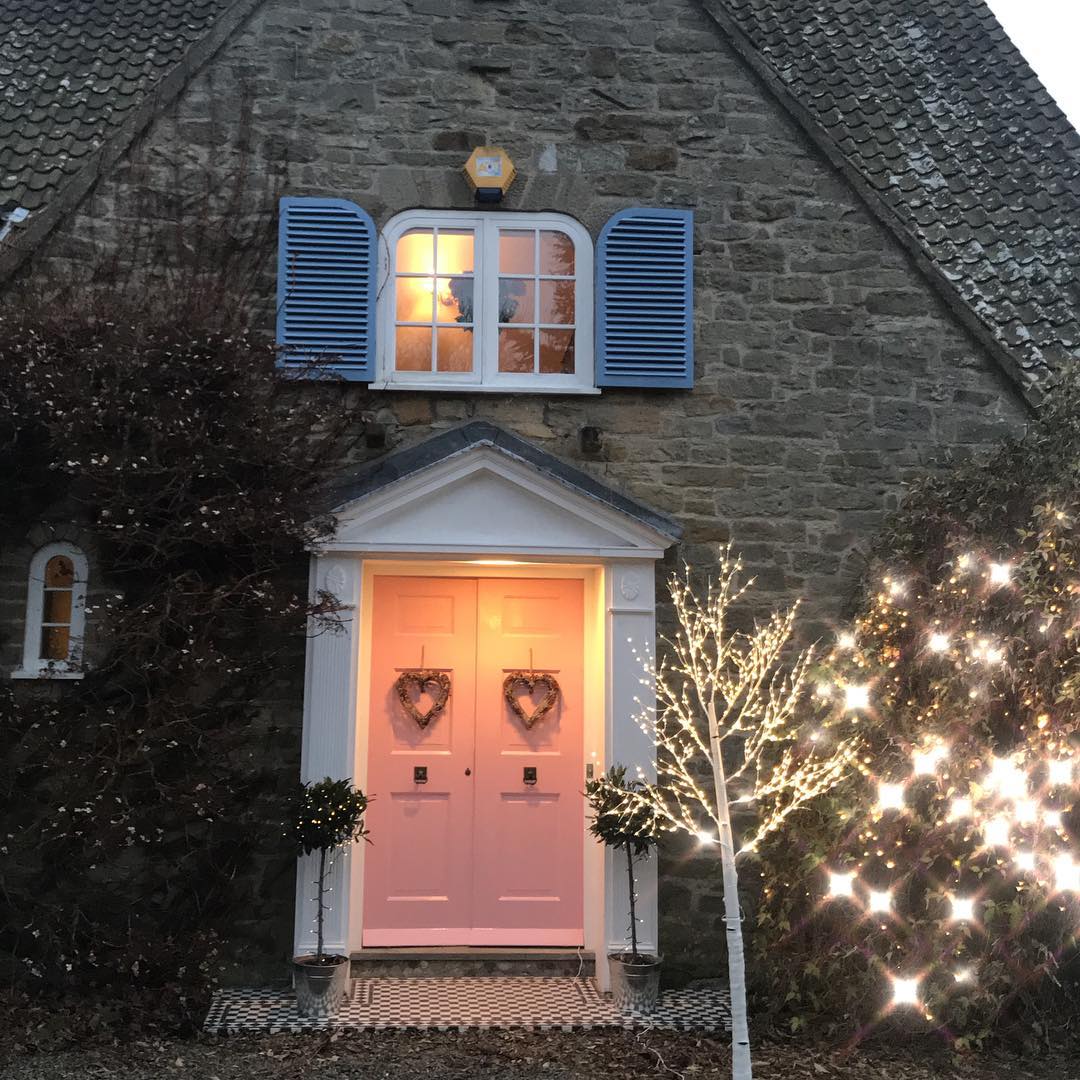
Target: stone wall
[[828, 372]]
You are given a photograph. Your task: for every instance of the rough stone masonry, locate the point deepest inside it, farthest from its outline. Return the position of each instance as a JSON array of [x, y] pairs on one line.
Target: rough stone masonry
[[828, 371]]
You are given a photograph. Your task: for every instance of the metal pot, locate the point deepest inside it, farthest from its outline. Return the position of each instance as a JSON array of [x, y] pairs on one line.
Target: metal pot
[[635, 985], [320, 987]]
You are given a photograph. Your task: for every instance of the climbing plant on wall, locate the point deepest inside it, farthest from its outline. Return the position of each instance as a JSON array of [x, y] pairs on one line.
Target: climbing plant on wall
[[141, 804]]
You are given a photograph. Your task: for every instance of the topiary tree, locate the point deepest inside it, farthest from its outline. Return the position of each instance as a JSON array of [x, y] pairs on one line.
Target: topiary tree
[[941, 885], [329, 815], [630, 827]]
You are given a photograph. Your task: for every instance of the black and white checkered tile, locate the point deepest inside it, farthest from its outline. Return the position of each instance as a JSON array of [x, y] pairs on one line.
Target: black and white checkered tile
[[463, 1004]]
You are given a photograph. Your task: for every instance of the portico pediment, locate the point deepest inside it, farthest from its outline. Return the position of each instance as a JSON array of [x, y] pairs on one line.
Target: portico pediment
[[478, 490]]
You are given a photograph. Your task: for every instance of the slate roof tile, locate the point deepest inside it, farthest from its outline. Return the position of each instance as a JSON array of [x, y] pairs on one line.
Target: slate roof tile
[[71, 71], [977, 163]]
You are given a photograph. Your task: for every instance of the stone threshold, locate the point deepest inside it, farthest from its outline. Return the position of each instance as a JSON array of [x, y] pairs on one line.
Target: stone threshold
[[474, 961]]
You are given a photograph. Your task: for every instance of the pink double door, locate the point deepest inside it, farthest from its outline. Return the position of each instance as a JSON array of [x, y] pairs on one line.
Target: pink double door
[[477, 819]]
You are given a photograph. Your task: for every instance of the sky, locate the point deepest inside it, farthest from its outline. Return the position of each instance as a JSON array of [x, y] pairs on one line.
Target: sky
[[1047, 33]]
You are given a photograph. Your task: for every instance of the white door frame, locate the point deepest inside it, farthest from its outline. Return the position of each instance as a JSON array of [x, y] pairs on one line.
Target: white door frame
[[391, 531]]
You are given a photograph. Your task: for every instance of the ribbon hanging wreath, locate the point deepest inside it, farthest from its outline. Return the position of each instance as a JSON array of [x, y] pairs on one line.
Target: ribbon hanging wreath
[[410, 683], [531, 680]]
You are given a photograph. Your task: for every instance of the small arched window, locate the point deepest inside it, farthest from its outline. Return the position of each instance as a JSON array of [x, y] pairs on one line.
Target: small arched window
[[55, 614]]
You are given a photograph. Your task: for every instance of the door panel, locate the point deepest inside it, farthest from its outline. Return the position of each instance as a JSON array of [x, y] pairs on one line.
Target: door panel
[[528, 882], [475, 856], [418, 887]]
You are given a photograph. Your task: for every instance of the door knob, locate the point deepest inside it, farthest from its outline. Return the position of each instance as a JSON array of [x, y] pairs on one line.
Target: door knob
[[419, 774], [529, 774], [468, 772]]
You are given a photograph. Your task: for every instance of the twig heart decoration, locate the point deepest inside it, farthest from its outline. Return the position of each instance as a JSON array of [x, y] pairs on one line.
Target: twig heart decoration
[[418, 682], [531, 680]]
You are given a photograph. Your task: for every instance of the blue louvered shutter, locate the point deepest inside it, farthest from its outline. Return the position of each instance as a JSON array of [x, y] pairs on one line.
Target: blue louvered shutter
[[326, 285], [645, 299]]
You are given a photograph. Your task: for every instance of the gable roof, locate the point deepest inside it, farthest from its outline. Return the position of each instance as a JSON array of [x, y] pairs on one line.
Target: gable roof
[[935, 116], [926, 106], [79, 80]]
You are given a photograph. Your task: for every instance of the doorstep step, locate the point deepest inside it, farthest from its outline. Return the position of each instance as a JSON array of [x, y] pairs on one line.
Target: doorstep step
[[449, 962]]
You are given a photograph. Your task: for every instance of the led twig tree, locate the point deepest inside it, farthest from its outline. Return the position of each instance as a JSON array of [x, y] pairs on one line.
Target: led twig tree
[[733, 723]]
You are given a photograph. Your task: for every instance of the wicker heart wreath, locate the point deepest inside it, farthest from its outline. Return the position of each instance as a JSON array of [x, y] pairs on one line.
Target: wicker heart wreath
[[436, 683], [530, 680]]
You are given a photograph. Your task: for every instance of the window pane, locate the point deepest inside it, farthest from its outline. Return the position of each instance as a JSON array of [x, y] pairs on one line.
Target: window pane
[[516, 251], [455, 300], [557, 352], [416, 252], [414, 299], [556, 301], [54, 642], [57, 606], [556, 254], [455, 349], [412, 349], [454, 251], [516, 350], [517, 300], [59, 572]]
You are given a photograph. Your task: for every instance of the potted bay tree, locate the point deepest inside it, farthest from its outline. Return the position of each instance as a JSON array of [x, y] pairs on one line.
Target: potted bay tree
[[329, 815], [629, 827]]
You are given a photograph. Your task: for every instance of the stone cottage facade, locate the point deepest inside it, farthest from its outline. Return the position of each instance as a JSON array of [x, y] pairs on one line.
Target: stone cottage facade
[[881, 277]]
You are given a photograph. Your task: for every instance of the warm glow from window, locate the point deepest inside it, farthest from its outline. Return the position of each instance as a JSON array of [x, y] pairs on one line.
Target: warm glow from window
[[56, 608], [483, 298]]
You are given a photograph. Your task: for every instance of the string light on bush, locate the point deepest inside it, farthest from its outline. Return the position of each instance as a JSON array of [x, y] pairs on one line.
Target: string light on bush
[[856, 697], [841, 886], [905, 992], [1000, 573], [1059, 772], [879, 901], [939, 642], [962, 908], [890, 797]]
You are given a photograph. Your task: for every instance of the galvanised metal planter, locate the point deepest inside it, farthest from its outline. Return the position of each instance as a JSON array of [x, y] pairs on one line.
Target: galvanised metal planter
[[320, 986], [635, 984]]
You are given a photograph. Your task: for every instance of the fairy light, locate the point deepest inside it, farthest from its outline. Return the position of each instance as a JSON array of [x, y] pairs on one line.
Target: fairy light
[[925, 762], [879, 901], [705, 838], [962, 908], [905, 992], [890, 797], [856, 697], [960, 808], [1000, 573], [1059, 772], [841, 885], [1024, 860], [964, 975], [1052, 819], [1066, 874], [1026, 811], [1007, 778], [996, 832], [846, 640], [939, 642]]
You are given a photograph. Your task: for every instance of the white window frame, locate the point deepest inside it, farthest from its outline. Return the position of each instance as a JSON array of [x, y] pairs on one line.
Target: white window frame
[[485, 376], [33, 665]]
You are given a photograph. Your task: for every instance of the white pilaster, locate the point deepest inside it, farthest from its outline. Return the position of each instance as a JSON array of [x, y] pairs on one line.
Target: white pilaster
[[330, 688], [631, 637]]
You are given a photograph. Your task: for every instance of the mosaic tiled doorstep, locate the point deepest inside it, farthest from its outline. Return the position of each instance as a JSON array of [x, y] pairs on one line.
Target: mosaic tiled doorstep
[[450, 1004]]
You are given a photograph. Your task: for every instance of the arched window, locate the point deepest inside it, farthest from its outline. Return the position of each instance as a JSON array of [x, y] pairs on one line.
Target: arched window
[[55, 614], [486, 301]]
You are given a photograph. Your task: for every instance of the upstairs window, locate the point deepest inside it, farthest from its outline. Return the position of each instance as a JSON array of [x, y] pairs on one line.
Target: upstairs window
[[55, 614], [495, 301], [449, 300]]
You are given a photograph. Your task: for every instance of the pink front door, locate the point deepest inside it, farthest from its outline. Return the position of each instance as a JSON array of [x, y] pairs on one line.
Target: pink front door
[[484, 847]]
